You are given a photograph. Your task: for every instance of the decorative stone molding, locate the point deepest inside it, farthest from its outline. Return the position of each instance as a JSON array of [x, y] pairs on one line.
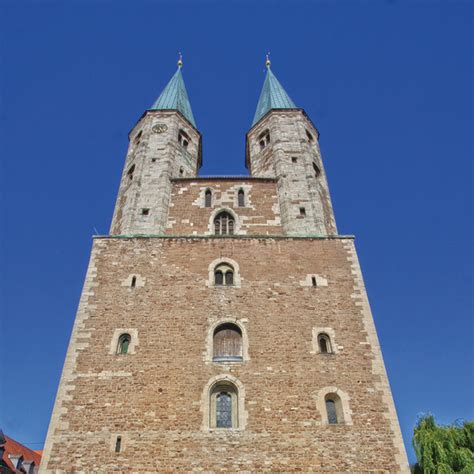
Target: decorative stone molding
[[308, 281], [209, 352], [332, 336], [133, 340], [206, 402], [229, 261], [344, 413]]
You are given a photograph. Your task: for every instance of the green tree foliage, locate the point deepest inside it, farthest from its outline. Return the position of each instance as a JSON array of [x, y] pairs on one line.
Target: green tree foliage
[[443, 449]]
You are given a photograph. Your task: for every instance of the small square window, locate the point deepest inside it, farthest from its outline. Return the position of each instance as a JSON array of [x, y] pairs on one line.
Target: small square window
[[145, 212], [302, 211], [294, 159], [153, 160]]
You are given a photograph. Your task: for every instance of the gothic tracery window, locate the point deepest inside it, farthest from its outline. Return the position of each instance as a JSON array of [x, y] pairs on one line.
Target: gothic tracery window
[[224, 224]]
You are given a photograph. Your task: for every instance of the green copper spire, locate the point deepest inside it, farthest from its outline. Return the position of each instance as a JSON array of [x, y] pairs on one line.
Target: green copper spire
[[273, 96], [175, 97]]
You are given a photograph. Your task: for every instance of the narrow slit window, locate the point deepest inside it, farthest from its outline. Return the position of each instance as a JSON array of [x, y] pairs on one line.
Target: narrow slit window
[[309, 136], [317, 171], [313, 281], [241, 198], [181, 171], [302, 212], [134, 281], [208, 198], [130, 172], [138, 137], [118, 444]]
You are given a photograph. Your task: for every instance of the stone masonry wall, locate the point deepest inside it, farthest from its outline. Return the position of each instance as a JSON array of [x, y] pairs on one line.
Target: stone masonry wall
[[188, 215], [156, 397], [294, 158]]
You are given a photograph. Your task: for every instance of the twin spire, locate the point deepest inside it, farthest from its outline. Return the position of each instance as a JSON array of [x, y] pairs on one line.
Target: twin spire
[[175, 97]]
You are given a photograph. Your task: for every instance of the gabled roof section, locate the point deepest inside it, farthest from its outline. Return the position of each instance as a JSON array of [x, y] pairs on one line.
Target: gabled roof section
[[273, 96], [175, 97]]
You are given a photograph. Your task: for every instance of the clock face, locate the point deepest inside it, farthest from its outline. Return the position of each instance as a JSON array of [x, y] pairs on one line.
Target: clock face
[[160, 128]]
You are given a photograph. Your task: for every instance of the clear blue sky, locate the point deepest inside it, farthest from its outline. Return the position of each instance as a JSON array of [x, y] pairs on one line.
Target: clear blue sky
[[388, 84]]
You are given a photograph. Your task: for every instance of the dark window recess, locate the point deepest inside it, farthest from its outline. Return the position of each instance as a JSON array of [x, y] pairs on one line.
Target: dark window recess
[[302, 211], [134, 282], [241, 198], [145, 212], [130, 172], [223, 224], [313, 281], [153, 160], [227, 343], [137, 138], [118, 444], [183, 139], [208, 198], [294, 159], [317, 171], [331, 412], [123, 343], [218, 278], [181, 170], [324, 344], [309, 136], [264, 139]]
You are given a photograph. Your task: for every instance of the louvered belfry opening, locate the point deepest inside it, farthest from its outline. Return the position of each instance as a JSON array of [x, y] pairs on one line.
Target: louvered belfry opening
[[224, 224], [227, 343]]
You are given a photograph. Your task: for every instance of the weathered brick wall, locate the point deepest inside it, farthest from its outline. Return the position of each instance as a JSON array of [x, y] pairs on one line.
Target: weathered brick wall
[[259, 216], [156, 397]]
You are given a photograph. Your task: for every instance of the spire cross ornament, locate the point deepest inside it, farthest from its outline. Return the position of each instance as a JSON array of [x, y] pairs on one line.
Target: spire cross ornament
[[180, 60], [268, 62]]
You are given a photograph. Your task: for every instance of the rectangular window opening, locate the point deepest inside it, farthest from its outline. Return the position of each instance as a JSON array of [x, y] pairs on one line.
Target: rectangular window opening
[[294, 159], [313, 281], [302, 211], [145, 212]]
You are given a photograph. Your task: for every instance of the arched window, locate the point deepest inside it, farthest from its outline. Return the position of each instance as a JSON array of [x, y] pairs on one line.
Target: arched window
[[208, 198], [264, 139], [223, 408], [333, 409], [223, 224], [241, 198], [224, 275], [317, 171], [227, 343], [123, 343], [183, 139], [324, 343]]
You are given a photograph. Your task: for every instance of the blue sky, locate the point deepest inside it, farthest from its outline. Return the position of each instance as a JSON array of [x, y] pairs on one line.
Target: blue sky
[[387, 83]]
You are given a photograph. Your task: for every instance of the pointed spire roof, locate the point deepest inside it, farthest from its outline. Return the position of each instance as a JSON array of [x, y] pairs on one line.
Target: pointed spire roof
[[175, 97], [273, 96]]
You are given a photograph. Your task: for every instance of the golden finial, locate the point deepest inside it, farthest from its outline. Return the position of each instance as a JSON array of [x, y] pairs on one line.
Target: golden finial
[[180, 60], [268, 62]]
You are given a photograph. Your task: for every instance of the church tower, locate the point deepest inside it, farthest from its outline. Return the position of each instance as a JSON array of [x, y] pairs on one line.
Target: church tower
[[224, 324]]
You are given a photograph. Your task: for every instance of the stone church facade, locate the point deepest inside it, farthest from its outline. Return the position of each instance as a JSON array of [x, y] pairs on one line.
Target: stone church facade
[[224, 324]]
